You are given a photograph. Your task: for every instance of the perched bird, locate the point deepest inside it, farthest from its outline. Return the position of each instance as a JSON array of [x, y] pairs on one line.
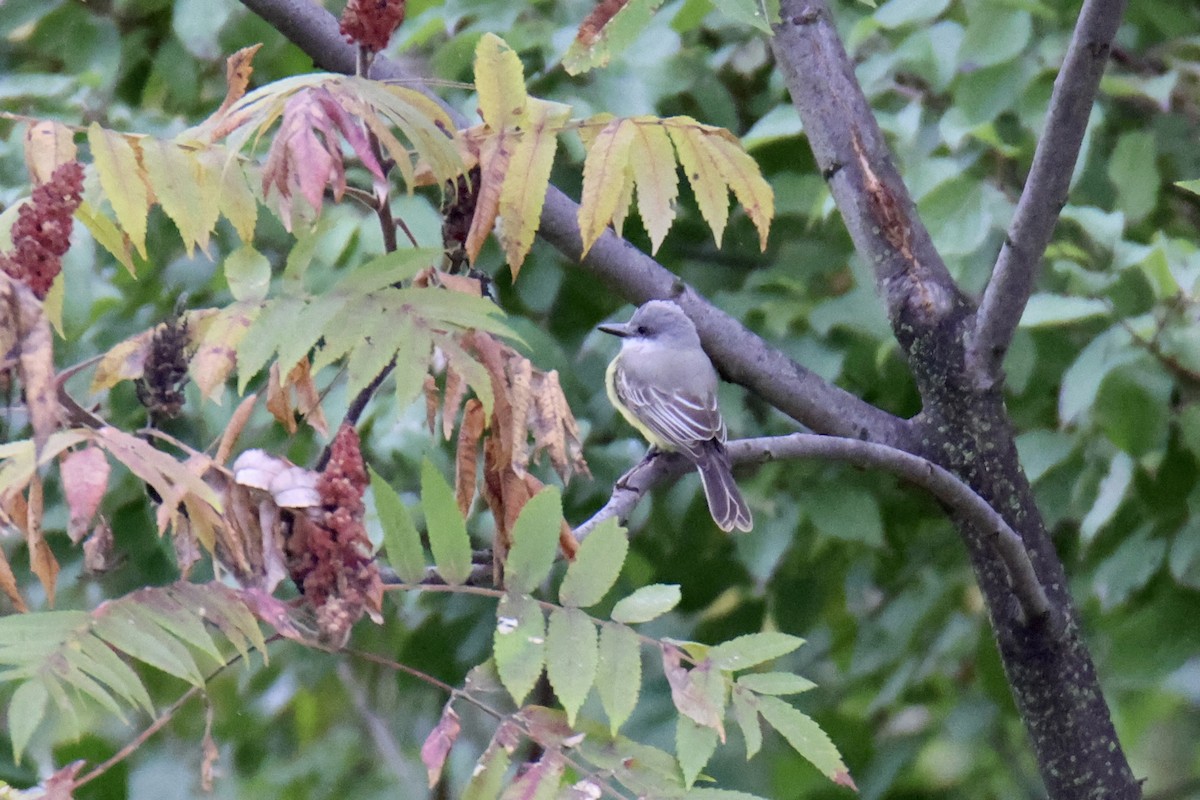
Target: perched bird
[[664, 384]]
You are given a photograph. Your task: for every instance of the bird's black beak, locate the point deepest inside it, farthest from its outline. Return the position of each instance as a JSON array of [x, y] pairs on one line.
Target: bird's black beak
[[616, 329]]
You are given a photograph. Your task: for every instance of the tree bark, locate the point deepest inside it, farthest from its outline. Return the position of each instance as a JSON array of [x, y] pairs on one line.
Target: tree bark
[[963, 426]]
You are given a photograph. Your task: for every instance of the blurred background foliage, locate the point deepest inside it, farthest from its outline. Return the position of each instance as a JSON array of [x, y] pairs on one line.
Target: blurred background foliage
[[1103, 383]]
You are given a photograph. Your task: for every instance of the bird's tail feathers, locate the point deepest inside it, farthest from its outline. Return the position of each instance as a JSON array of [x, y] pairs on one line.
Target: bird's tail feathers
[[725, 501]]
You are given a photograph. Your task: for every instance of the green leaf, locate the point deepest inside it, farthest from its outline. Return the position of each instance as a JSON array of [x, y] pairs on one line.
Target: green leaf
[[400, 537], [390, 269], [520, 644], [1132, 408], [249, 274], [127, 629], [1133, 169], [1129, 568], [1082, 380], [620, 32], [572, 655], [775, 683], [844, 512], [25, 711], [619, 673], [487, 779], [646, 603], [535, 541], [898, 13], [99, 661], [1051, 310], [752, 649], [745, 711], [995, 34], [596, 567], [1184, 559], [746, 12], [694, 746], [447, 530], [805, 737]]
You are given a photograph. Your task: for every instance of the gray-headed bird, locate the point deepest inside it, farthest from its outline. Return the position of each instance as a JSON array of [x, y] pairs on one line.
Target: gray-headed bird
[[665, 385]]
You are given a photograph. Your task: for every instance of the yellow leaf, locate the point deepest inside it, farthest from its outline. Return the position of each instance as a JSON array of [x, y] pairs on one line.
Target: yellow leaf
[[52, 304], [123, 362], [237, 201], [500, 81], [216, 355], [106, 234], [121, 177], [528, 175], [624, 201], [741, 172], [604, 178], [652, 160], [172, 173], [208, 165], [48, 145], [704, 175]]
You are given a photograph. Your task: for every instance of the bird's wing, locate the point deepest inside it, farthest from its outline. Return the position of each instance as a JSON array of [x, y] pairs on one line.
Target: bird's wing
[[682, 420]]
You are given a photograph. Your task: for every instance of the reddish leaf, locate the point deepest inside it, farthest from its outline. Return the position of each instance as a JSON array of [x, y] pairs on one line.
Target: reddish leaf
[[437, 745], [85, 479]]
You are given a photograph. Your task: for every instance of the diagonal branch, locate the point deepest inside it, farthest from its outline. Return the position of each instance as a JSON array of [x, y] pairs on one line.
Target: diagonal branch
[[740, 355], [853, 157], [960, 499], [1046, 188]]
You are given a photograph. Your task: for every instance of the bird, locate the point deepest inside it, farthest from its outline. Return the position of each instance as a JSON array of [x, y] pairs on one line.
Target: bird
[[665, 386]]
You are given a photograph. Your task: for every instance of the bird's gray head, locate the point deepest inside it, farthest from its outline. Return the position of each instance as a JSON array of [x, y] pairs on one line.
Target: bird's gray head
[[658, 321]]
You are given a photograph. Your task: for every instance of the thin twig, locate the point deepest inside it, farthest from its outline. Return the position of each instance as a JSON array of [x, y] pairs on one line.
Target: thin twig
[[357, 406], [961, 500], [1045, 190], [154, 727]]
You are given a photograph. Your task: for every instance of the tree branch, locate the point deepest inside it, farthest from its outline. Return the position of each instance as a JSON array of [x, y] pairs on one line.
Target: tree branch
[[959, 498], [740, 355], [853, 157], [1046, 188]]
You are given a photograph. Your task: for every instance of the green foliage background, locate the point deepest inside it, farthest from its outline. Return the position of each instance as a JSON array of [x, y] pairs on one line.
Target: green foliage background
[[1103, 382]]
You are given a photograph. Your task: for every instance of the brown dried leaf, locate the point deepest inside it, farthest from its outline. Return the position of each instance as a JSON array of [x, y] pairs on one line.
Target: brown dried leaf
[[554, 428], [229, 437], [8, 583], [589, 29], [278, 402], [456, 390], [187, 549], [85, 480], [691, 690], [308, 399], [208, 744], [41, 560], [461, 283], [35, 357], [466, 457], [495, 150], [238, 69], [520, 386], [438, 743], [98, 549], [431, 402], [48, 145]]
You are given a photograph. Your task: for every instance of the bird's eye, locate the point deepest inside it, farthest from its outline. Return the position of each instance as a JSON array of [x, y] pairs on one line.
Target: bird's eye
[[641, 330]]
